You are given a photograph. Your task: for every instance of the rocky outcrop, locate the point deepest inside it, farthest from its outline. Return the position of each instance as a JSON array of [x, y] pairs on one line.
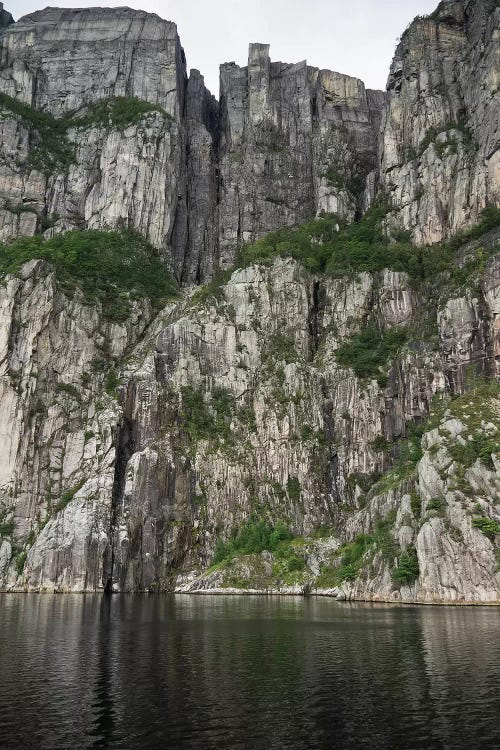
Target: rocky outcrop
[[59, 426], [295, 141], [285, 142], [232, 404], [5, 17], [439, 143], [197, 178], [90, 170]]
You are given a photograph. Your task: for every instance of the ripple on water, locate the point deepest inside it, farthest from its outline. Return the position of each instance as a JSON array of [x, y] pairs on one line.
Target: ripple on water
[[245, 672]]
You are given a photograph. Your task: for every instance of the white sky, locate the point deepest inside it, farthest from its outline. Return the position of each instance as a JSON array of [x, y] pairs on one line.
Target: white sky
[[357, 37]]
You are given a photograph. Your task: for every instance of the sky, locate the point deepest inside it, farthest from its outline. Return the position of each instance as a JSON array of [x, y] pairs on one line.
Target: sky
[[357, 37]]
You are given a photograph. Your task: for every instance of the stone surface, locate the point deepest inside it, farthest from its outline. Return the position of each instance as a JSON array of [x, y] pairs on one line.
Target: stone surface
[[295, 141], [439, 152], [294, 441], [285, 142]]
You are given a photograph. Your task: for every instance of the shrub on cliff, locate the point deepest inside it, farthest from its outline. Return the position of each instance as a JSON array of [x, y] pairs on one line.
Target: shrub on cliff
[[407, 570], [327, 244], [368, 351], [253, 538], [112, 268]]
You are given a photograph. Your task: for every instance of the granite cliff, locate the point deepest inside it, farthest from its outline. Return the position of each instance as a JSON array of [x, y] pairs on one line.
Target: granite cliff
[[317, 408]]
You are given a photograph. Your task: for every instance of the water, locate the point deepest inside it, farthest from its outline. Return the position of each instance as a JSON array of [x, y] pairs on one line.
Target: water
[[245, 672]]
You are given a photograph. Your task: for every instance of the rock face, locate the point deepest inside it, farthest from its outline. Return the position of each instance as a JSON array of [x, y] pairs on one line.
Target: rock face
[[65, 62], [440, 137], [285, 142], [197, 178], [129, 451], [295, 141], [5, 17], [233, 404]]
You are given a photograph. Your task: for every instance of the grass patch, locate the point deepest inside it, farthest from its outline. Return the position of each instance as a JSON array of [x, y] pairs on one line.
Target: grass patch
[[212, 292], [487, 526], [441, 147], [370, 350], [328, 244], [437, 504], [66, 498], [110, 268], [50, 147], [207, 416], [280, 348], [255, 537], [20, 561], [111, 383], [6, 527], [69, 390], [116, 113], [480, 447], [293, 489]]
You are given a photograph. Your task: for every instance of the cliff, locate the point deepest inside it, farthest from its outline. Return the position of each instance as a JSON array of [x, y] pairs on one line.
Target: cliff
[[197, 178], [438, 150], [324, 414]]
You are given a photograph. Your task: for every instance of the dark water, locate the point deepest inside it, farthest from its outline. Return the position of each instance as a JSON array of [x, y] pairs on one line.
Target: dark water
[[254, 673]]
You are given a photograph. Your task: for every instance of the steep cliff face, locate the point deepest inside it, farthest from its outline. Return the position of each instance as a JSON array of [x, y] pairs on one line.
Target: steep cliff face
[[333, 394], [234, 405], [197, 178], [439, 143], [295, 141], [77, 165]]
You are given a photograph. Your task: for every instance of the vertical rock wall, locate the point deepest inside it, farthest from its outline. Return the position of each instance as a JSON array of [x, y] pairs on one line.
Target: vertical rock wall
[[439, 143], [198, 179]]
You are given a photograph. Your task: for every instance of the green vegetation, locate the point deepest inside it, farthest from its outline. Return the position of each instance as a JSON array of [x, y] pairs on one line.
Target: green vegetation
[[51, 149], [293, 489], [488, 526], [473, 408], [348, 170], [117, 113], [207, 416], [111, 382], [479, 447], [20, 561], [6, 527], [436, 503], [416, 504], [407, 570], [368, 351], [69, 389], [353, 555], [112, 268], [255, 537], [383, 538], [441, 147], [326, 244], [66, 498], [280, 348], [213, 291], [381, 444]]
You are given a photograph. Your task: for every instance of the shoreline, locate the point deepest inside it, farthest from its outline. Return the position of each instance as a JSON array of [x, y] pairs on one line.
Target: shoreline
[[321, 594]]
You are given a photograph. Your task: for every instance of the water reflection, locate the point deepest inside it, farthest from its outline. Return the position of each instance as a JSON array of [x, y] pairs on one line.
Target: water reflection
[[252, 673]]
